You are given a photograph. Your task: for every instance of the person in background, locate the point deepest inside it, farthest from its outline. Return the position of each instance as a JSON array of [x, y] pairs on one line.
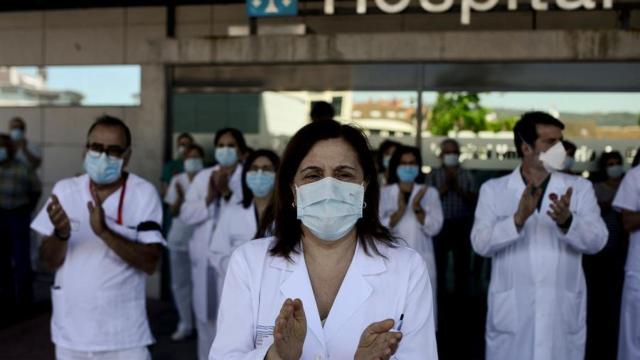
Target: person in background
[[213, 189], [332, 282], [321, 111], [627, 201], [412, 211], [383, 157], [604, 271], [570, 160], [458, 194], [535, 224], [175, 166], [25, 151], [20, 190], [102, 237], [242, 220], [178, 241]]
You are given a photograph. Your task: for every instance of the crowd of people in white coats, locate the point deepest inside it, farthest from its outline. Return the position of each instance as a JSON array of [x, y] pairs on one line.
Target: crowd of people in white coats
[[331, 252]]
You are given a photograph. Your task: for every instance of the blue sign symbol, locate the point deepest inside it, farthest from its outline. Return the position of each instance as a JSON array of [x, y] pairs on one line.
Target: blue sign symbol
[[262, 8]]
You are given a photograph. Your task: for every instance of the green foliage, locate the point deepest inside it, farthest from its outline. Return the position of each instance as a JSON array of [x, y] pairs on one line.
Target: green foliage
[[457, 111], [505, 124]]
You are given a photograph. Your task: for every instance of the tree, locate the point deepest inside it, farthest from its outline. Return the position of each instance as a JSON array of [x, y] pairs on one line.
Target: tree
[[457, 111]]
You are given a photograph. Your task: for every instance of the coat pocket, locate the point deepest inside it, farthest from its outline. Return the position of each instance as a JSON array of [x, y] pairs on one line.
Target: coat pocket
[[502, 311], [573, 311]]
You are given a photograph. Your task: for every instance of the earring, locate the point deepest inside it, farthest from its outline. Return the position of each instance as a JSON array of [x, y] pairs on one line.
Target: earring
[[364, 205], [293, 204]]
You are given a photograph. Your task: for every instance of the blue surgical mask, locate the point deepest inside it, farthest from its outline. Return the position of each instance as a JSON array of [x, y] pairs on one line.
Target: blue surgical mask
[[16, 134], [385, 162], [226, 156], [101, 168], [329, 208], [4, 154], [615, 171], [193, 165], [407, 173], [260, 182]]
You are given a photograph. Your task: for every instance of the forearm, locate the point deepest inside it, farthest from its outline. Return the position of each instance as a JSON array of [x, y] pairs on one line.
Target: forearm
[[143, 257], [175, 208], [53, 252], [631, 220], [395, 218]]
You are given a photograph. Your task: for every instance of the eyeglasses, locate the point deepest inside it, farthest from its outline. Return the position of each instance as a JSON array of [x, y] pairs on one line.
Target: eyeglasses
[[114, 151]]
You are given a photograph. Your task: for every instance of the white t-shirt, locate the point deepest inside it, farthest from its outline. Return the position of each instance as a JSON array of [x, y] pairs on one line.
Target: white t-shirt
[[98, 299], [180, 232], [628, 198]]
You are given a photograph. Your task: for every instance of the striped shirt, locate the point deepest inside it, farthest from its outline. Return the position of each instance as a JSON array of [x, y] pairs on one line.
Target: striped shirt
[[19, 185]]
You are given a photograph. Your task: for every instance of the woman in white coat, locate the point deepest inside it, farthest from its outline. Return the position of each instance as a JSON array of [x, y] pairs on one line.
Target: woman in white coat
[[412, 211], [332, 282], [241, 220], [178, 241], [211, 192]]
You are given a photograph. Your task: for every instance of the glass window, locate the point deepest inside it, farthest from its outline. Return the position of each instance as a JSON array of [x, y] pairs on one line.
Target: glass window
[[101, 85]]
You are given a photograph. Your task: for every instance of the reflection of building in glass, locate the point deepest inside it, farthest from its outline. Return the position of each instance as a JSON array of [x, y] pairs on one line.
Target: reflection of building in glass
[[20, 89], [385, 117]]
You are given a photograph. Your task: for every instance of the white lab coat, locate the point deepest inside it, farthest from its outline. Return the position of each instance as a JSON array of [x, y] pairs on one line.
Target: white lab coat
[[204, 218], [98, 299], [628, 198], [417, 236], [373, 289], [537, 294], [236, 226]]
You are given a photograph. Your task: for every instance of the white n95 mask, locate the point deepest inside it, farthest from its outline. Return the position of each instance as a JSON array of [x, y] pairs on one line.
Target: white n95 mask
[[329, 207], [553, 158]]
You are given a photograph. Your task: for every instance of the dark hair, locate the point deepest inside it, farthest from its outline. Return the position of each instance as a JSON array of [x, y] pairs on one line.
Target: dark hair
[[395, 161], [247, 195], [197, 148], [636, 158], [111, 121], [19, 120], [288, 230], [525, 129], [450, 141], [569, 146], [322, 110], [605, 156], [384, 146], [237, 135], [185, 136]]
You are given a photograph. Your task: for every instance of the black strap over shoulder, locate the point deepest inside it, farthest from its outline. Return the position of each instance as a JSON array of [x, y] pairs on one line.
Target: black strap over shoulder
[[149, 226]]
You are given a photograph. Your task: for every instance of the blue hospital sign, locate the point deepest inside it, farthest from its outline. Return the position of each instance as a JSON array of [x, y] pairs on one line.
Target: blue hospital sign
[[262, 8]]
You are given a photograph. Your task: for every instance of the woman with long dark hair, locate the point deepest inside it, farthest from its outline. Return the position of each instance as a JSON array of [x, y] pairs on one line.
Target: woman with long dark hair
[[332, 282], [411, 210]]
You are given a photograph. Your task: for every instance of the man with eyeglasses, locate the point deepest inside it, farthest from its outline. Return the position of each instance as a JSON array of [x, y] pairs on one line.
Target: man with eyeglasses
[[102, 237]]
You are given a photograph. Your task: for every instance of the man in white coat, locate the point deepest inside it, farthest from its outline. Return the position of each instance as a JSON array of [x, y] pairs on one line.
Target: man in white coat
[[628, 202], [535, 224]]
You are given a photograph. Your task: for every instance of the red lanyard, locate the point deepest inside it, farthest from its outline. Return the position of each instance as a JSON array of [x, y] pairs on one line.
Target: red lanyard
[[121, 201]]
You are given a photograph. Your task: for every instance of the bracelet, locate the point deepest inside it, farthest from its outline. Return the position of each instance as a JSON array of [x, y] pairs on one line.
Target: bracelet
[[62, 238]]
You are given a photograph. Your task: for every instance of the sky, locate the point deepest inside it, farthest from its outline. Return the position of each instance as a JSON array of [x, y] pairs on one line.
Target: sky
[[573, 102], [101, 85]]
